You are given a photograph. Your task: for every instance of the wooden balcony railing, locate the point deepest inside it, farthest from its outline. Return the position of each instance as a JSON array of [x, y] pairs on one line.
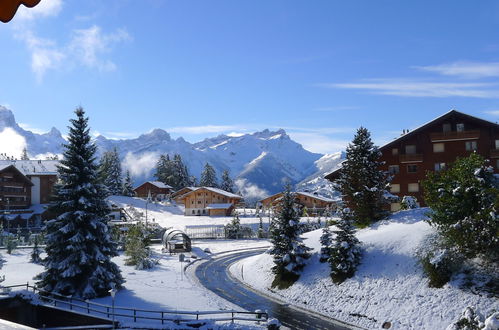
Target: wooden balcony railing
[[444, 136], [494, 153], [410, 158]]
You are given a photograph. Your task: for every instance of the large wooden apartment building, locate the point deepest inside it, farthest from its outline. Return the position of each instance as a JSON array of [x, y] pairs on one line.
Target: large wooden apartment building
[[209, 201], [432, 147]]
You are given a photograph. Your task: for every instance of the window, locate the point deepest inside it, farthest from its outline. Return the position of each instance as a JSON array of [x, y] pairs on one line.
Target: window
[[497, 144], [393, 169], [193, 212], [413, 187], [394, 207], [438, 147], [446, 127], [471, 146], [395, 151], [460, 127], [395, 188], [410, 149], [412, 168], [199, 202], [439, 166]]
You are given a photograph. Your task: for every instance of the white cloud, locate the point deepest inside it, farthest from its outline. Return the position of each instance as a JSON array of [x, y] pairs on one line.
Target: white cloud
[[465, 69], [416, 88], [11, 143], [140, 165], [250, 191], [30, 128], [492, 112], [45, 8], [87, 45], [317, 142]]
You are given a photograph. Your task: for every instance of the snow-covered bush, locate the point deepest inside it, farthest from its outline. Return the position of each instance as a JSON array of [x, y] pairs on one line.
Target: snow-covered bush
[[471, 319], [10, 243], [273, 324], [464, 202], [233, 229], [137, 248], [409, 203], [345, 253], [35, 253], [326, 241], [288, 249]]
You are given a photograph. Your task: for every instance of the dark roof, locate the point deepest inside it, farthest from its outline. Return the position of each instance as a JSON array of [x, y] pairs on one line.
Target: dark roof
[[25, 178]]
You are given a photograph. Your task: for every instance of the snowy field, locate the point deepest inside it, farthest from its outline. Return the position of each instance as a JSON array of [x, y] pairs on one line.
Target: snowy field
[[161, 288], [388, 286]]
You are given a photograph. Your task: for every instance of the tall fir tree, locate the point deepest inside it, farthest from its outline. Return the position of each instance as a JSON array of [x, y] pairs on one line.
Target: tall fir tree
[[128, 185], [326, 241], [208, 177], [179, 177], [78, 242], [110, 172], [345, 253], [227, 183], [288, 251], [361, 182], [24, 154]]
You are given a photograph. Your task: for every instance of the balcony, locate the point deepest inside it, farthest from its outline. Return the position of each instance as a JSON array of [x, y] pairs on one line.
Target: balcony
[[494, 153], [411, 158], [449, 136]]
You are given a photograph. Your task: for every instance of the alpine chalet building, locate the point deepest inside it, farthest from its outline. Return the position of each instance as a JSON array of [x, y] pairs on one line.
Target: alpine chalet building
[[432, 147]]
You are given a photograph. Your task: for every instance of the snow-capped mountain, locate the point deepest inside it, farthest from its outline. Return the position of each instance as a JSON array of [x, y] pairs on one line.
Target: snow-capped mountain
[[261, 162]]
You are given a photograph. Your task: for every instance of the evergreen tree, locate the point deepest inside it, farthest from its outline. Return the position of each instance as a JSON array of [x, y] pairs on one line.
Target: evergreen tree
[[35, 254], [326, 241], [78, 242], [345, 253], [137, 248], [163, 168], [179, 177], [208, 177], [128, 186], [233, 229], [464, 202], [24, 155], [361, 182], [288, 251], [227, 183], [110, 172]]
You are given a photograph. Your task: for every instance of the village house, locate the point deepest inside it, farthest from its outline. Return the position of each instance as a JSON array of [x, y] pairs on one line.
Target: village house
[[432, 147], [209, 201], [177, 195], [315, 203], [25, 186], [157, 190]]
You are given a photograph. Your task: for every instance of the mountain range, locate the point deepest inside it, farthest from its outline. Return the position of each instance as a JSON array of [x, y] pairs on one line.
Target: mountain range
[[261, 163]]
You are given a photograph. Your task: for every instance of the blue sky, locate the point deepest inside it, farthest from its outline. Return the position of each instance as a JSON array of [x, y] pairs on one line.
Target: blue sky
[[318, 69]]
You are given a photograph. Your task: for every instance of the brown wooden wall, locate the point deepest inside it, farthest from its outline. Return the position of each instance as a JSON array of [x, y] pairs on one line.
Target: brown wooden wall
[[18, 199], [143, 190]]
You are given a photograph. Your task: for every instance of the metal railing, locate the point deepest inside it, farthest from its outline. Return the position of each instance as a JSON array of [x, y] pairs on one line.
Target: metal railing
[[96, 309]]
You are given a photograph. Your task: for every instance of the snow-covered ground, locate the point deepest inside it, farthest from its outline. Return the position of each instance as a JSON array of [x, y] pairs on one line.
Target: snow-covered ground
[[388, 286]]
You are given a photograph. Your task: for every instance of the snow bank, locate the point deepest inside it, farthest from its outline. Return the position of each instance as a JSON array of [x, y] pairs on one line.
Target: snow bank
[[389, 286]]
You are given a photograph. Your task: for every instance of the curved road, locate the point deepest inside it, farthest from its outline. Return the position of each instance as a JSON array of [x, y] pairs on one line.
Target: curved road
[[214, 275]]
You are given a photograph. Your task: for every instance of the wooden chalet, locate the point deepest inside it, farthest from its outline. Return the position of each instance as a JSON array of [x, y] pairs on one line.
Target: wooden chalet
[[209, 201], [177, 195], [157, 190], [309, 200], [432, 147]]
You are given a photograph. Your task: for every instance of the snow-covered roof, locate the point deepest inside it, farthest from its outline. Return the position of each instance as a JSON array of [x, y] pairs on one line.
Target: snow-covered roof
[[160, 184], [223, 206], [218, 191], [319, 197], [32, 167]]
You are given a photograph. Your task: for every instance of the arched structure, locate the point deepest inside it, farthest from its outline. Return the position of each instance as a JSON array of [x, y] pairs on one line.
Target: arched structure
[[175, 240]]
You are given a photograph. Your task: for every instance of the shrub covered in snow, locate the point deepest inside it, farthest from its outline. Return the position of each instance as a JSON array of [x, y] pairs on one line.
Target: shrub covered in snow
[[464, 201], [471, 319], [137, 248], [345, 253], [326, 241], [288, 249], [409, 203], [361, 183], [35, 253]]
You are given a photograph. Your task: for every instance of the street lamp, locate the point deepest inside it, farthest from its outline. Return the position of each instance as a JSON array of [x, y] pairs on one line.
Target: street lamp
[[113, 294]]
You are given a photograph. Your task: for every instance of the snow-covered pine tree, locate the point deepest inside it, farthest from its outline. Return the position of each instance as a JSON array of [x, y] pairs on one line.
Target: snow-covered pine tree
[[361, 182], [288, 250], [128, 185], [110, 172], [233, 229], [163, 168], [208, 177], [227, 183], [345, 252], [24, 154], [35, 253], [78, 242], [137, 248], [326, 241], [179, 177]]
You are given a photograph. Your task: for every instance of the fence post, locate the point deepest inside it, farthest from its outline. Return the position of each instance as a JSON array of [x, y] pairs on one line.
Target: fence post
[[232, 317], [88, 308], [71, 304], [134, 315], [162, 320], [107, 310], [27, 286]]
